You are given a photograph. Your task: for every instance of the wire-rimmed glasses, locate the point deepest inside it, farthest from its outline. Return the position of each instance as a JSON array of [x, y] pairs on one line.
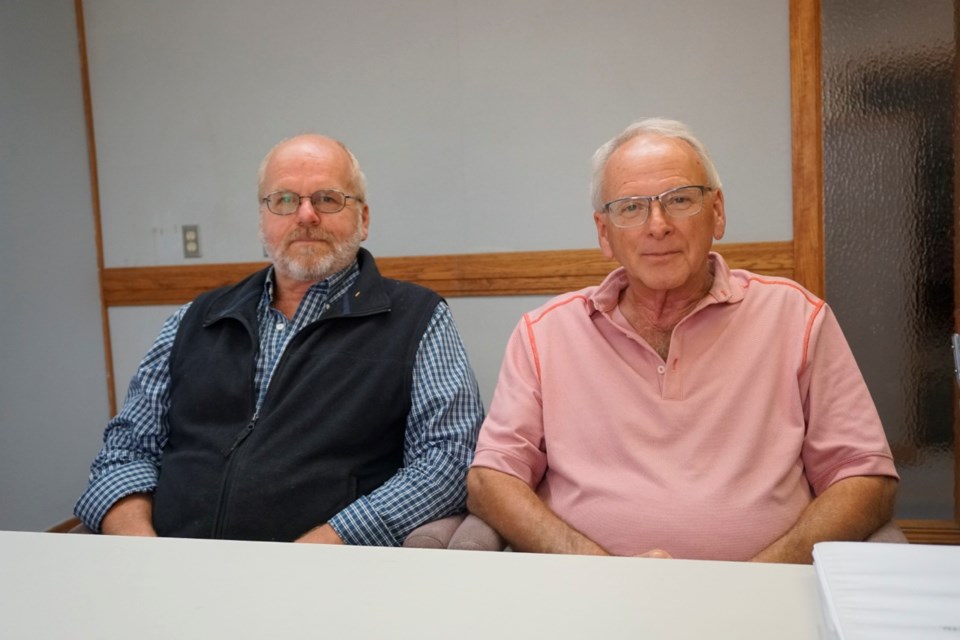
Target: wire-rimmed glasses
[[284, 203], [679, 202]]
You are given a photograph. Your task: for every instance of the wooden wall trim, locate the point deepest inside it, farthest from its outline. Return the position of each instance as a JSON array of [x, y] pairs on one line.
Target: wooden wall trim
[[95, 198], [806, 108], [481, 274], [931, 531]]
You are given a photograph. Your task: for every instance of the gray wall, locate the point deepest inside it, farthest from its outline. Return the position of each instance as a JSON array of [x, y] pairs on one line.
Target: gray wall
[[474, 122], [53, 400]]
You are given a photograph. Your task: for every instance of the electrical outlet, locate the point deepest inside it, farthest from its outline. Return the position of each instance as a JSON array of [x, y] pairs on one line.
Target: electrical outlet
[[191, 241]]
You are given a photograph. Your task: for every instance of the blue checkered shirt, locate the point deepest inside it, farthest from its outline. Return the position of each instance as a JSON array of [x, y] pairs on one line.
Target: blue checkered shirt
[[445, 416]]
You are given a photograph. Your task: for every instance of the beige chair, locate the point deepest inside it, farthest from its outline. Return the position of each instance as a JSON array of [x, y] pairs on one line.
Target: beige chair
[[464, 531], [889, 532]]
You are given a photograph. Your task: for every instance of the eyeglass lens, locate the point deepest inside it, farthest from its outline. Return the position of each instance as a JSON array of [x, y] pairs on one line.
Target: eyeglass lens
[[323, 201], [678, 203]]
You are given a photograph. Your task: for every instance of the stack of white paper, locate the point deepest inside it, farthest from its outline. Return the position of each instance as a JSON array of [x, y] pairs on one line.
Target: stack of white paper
[[879, 591]]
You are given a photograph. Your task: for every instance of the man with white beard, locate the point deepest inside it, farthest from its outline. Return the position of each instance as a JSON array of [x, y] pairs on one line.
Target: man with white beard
[[314, 401]]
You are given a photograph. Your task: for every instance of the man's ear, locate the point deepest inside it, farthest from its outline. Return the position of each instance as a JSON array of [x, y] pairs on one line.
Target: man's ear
[[603, 230], [719, 216], [365, 220]]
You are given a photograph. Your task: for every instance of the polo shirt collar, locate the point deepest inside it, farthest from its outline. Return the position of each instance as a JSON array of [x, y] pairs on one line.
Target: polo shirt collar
[[724, 289]]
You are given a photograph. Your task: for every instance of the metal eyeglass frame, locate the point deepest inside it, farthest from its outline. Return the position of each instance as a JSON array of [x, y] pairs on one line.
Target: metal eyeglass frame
[[658, 198], [266, 201]]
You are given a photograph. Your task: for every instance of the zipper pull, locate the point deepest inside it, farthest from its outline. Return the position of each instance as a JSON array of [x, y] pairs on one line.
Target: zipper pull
[[247, 430]]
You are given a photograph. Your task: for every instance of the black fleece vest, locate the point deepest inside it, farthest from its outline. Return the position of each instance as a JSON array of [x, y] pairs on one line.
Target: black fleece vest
[[330, 429]]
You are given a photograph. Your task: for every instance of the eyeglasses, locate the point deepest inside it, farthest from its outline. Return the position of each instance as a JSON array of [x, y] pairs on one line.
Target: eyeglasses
[[680, 202], [283, 203]]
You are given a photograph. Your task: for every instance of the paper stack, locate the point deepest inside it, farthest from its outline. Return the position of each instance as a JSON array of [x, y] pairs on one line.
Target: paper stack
[[879, 591]]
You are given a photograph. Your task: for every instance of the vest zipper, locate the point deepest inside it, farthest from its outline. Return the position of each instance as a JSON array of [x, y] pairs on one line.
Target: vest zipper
[[247, 430], [219, 525]]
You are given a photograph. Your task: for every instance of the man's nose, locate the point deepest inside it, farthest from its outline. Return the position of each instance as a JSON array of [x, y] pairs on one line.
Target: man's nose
[[306, 214], [659, 223]]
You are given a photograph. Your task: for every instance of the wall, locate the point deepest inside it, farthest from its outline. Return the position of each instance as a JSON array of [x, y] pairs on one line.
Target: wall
[[53, 402], [474, 122]]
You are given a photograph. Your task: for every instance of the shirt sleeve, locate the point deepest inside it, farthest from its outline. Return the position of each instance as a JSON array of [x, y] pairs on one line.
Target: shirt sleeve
[[441, 433], [133, 442], [512, 438], [844, 434]]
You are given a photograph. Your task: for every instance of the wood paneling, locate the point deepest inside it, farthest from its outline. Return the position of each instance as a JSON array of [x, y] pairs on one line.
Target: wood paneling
[[481, 274]]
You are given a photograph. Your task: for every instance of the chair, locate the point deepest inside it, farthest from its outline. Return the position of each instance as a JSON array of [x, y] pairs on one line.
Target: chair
[[463, 531], [435, 534], [889, 532]]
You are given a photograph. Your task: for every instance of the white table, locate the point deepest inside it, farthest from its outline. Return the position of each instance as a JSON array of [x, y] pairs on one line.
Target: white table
[[85, 586]]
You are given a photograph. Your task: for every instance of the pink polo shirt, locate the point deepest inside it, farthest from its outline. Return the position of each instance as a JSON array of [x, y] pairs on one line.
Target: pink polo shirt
[[712, 454]]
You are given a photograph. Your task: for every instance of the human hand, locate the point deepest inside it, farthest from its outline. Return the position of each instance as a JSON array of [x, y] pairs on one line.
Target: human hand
[[324, 534], [131, 515]]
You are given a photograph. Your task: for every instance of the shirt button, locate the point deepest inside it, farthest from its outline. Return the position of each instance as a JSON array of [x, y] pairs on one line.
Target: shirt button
[[279, 326], [661, 369]]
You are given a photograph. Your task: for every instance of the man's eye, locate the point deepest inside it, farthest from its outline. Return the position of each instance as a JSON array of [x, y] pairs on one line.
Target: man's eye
[[632, 208]]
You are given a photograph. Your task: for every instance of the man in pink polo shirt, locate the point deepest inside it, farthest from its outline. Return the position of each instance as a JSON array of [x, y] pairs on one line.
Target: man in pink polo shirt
[[680, 408]]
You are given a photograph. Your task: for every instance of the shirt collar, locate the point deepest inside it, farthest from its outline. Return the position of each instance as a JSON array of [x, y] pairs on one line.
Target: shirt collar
[[321, 287]]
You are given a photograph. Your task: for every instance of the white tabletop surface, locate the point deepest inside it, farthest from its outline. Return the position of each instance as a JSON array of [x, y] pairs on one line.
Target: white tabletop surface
[[85, 586]]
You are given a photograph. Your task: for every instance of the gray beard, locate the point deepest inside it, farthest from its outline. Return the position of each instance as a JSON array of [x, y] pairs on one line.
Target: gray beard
[[315, 268]]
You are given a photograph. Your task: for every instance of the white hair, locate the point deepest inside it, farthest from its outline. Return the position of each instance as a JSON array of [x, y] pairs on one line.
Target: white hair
[[649, 126]]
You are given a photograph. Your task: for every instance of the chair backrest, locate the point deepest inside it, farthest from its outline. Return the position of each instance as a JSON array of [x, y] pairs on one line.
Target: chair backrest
[[889, 532]]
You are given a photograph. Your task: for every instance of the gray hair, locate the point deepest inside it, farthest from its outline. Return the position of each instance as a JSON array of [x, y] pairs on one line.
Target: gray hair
[[649, 126], [358, 181]]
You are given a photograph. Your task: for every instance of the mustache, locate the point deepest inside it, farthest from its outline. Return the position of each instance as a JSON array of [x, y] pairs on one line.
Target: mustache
[[311, 233]]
